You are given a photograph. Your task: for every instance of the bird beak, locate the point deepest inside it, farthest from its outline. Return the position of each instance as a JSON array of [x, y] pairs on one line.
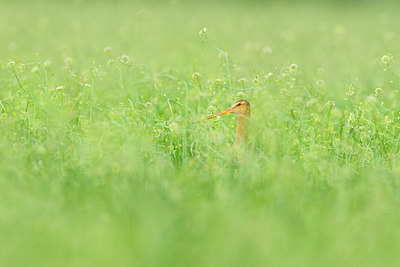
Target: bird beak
[[226, 111]]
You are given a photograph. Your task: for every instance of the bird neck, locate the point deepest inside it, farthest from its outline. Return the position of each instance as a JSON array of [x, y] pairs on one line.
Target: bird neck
[[241, 130]]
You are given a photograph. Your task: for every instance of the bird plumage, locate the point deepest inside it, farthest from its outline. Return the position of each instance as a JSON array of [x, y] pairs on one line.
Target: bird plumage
[[243, 110]]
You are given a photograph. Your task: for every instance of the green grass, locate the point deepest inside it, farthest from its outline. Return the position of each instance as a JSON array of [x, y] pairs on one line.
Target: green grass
[[108, 160]]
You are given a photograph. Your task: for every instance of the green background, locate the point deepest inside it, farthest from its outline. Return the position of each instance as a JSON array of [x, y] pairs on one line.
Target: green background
[[110, 163]]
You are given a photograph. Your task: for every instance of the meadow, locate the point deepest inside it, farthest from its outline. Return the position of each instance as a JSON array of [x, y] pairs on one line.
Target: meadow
[[107, 158]]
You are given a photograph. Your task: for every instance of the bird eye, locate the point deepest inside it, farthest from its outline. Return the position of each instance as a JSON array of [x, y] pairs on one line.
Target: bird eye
[[239, 104]]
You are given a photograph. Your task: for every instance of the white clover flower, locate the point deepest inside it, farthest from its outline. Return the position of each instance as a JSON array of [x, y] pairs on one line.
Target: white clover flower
[[35, 69], [352, 119], [378, 91], [110, 62], [196, 75], [124, 59], [283, 91], [203, 33], [107, 50], [157, 132], [60, 88], [269, 75], [212, 109], [148, 105], [293, 67], [20, 67], [11, 64], [386, 59], [240, 94], [350, 90], [218, 81], [267, 50], [84, 78], [47, 63], [364, 136], [88, 85], [311, 102], [242, 80], [331, 103], [223, 54], [388, 121], [316, 117], [95, 71]]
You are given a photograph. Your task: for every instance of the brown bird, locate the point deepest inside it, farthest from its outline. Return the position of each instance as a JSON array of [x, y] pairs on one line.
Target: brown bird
[[242, 109]]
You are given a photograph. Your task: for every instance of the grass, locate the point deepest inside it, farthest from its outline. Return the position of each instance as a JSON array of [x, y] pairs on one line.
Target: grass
[[107, 158]]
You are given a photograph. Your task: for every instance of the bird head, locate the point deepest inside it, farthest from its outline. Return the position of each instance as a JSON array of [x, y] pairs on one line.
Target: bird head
[[240, 107]]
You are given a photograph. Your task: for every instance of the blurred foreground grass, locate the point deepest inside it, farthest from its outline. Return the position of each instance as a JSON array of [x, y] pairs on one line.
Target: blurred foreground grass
[[106, 159]]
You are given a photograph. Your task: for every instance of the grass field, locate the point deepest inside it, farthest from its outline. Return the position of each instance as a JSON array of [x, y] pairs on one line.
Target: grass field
[[108, 160]]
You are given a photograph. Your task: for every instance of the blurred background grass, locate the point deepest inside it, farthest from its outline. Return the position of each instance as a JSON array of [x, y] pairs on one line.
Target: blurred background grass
[[102, 163]]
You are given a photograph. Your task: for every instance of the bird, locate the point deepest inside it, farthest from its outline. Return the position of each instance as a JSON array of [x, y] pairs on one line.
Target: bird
[[242, 109]]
